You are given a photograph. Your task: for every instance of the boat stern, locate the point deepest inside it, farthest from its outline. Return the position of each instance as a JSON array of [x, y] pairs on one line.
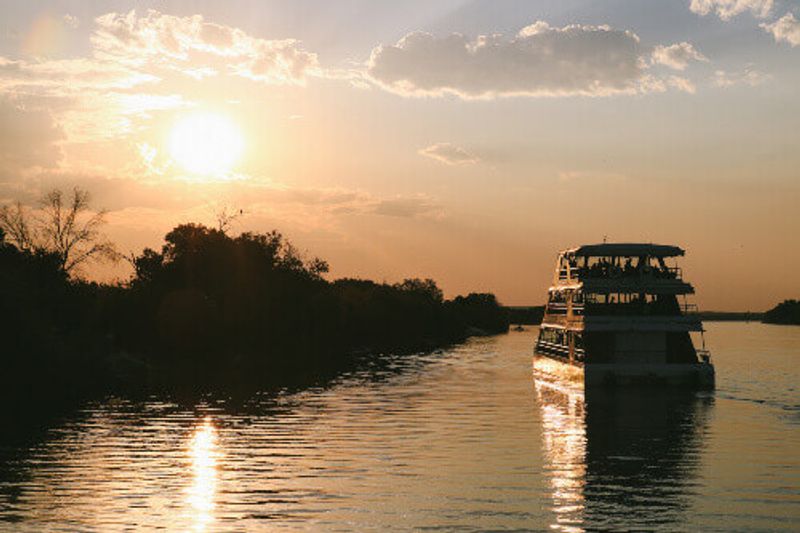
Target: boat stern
[[699, 376]]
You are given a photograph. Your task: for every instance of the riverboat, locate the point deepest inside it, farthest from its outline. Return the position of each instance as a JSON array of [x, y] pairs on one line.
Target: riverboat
[[617, 314]]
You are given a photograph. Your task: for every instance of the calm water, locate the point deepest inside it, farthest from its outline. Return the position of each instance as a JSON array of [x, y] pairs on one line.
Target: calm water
[[465, 440]]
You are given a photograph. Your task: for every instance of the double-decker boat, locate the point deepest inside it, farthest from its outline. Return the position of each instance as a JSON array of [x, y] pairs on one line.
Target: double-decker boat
[[613, 317]]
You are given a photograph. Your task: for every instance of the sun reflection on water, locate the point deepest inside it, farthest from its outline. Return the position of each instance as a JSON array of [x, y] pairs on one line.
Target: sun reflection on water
[[564, 432], [204, 456]]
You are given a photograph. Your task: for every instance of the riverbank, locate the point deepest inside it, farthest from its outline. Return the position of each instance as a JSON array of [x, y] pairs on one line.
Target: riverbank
[[209, 311], [729, 316]]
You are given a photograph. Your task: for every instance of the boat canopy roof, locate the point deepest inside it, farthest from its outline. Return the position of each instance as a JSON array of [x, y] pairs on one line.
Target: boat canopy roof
[[624, 250]]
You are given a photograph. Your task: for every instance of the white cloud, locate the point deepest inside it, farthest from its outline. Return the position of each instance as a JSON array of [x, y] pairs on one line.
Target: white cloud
[[136, 66], [196, 47], [449, 154], [89, 99], [67, 77], [71, 21], [785, 29], [681, 84], [746, 77], [676, 56], [727, 9], [652, 84], [539, 61]]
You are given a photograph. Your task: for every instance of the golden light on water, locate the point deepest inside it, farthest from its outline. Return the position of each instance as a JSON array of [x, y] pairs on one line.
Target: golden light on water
[[203, 452], [564, 434], [206, 144]]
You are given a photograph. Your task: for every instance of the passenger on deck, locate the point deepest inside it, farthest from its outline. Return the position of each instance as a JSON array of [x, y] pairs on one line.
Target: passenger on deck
[[629, 267]]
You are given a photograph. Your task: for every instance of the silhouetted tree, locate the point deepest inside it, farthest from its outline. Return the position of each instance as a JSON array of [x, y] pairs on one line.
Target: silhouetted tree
[[205, 310], [226, 218], [425, 287], [15, 223], [66, 228], [786, 312]]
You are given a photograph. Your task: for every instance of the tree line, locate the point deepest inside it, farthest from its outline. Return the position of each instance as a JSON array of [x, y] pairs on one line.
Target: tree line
[[206, 309], [787, 312]]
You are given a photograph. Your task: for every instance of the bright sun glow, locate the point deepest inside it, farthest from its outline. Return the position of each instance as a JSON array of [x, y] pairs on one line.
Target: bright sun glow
[[208, 144]]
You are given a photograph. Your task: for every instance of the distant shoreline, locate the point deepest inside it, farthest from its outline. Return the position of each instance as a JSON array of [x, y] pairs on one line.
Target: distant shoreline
[[729, 316]]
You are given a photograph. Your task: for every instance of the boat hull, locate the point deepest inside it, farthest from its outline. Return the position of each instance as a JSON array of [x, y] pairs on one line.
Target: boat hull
[[695, 375]]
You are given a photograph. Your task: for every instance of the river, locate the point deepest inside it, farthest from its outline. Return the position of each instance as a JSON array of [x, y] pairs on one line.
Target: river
[[460, 440]]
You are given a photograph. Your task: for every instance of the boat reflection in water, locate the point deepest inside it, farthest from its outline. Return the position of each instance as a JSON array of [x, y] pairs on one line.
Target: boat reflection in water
[[562, 410], [620, 458]]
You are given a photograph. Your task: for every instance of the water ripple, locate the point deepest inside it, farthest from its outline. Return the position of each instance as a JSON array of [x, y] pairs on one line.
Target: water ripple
[[461, 440]]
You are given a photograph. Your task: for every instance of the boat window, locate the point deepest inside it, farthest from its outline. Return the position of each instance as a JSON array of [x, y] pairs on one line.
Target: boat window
[[557, 297], [634, 304], [554, 336], [628, 266]]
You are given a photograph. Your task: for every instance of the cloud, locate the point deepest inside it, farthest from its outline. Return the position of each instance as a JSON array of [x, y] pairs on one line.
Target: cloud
[[138, 65], [90, 99], [568, 176], [307, 205], [539, 61], [406, 207], [681, 84], [785, 29], [727, 9], [196, 47], [748, 76], [67, 77], [302, 203], [71, 21], [29, 139], [676, 56], [351, 202], [449, 154]]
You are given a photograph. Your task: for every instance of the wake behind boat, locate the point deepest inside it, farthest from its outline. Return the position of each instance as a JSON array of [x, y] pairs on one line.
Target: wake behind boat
[[613, 318]]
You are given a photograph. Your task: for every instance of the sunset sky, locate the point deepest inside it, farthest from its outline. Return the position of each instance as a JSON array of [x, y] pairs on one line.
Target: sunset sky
[[467, 141]]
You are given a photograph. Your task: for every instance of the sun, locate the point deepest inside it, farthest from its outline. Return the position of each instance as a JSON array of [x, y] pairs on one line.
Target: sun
[[207, 144]]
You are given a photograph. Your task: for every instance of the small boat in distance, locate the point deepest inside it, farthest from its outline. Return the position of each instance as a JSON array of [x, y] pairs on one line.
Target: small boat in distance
[[613, 318]]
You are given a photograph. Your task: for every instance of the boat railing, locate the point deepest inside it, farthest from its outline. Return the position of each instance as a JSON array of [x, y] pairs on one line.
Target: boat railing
[[621, 272], [557, 308], [560, 351], [675, 272], [553, 348], [561, 308], [704, 355], [639, 308], [687, 308], [580, 354]]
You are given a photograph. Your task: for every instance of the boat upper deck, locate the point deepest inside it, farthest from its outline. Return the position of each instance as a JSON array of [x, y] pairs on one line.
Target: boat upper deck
[[621, 267], [624, 250]]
